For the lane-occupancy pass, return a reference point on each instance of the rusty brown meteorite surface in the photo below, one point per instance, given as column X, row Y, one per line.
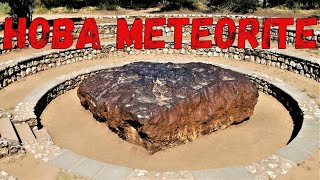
column 161, row 105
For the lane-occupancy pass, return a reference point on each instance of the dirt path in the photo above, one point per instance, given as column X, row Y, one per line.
column 308, row 170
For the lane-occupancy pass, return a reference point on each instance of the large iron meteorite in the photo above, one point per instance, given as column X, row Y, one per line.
column 161, row 105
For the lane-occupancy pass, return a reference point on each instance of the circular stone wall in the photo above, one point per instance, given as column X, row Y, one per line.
column 301, row 108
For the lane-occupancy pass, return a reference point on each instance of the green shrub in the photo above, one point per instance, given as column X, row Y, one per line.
column 244, row 6
column 179, row 4
column 107, row 5
column 137, row 4
column 237, row 6
column 291, row 4
column 4, row 8
column 274, row 3
column 20, row 8
column 69, row 3
column 101, row 4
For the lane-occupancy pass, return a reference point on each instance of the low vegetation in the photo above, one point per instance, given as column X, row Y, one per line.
column 25, row 8
column 20, row 8
column 4, row 8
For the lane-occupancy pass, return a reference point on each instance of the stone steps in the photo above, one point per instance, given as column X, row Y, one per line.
column 7, row 130
column 25, row 133
column 42, row 134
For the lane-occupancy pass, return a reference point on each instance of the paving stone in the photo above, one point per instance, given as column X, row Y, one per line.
column 66, row 160
column 310, row 130
column 87, row 168
column 139, row 174
column 113, row 172
column 270, row 168
column 310, row 124
column 24, row 132
column 6, row 129
column 291, row 153
column 43, row 149
column 42, row 134
column 309, row 145
column 232, row 173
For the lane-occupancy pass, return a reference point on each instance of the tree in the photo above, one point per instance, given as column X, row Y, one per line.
column 264, row 4
column 178, row 4
column 237, row 6
column 273, row 3
column 20, row 8
column 244, row 6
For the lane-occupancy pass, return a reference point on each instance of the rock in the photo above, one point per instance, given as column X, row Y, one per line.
column 161, row 105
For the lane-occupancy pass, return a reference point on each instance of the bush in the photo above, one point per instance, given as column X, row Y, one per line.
column 291, row 4
column 179, row 4
column 4, row 8
column 273, row 3
column 69, row 3
column 136, row 4
column 20, row 8
column 244, row 6
column 237, row 6
column 302, row 4
column 108, row 5
column 101, row 4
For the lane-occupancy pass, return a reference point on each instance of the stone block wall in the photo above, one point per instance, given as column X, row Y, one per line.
column 285, row 99
column 19, row 68
column 57, row 91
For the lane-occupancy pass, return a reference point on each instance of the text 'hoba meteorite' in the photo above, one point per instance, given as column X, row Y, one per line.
column 161, row 105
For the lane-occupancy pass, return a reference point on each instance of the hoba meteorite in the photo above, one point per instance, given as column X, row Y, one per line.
column 161, row 105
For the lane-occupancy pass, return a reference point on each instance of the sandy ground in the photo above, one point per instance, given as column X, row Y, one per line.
column 308, row 170
column 74, row 128
column 37, row 170
column 12, row 94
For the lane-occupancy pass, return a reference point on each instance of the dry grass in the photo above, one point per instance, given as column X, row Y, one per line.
column 282, row 11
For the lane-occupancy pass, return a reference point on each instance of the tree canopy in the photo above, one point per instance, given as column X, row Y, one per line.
column 24, row 8
column 20, row 8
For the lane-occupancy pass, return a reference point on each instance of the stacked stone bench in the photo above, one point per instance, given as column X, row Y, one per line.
column 9, row 141
column 16, row 69
column 304, row 140
column 13, row 136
